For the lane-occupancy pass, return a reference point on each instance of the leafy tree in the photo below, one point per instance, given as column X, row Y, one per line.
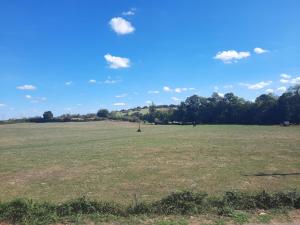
column 102, row 113
column 48, row 115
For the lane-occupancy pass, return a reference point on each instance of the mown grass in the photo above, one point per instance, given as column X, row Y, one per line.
column 112, row 162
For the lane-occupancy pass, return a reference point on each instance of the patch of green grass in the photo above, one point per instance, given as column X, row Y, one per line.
column 172, row 222
column 240, row 217
column 220, row 221
column 264, row 218
column 110, row 161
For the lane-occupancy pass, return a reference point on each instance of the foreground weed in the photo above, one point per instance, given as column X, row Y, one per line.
column 265, row 218
column 240, row 218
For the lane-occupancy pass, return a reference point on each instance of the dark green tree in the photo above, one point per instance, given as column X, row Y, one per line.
column 103, row 113
column 48, row 115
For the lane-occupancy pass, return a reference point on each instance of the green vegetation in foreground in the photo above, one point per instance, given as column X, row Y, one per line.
column 110, row 161
column 234, row 205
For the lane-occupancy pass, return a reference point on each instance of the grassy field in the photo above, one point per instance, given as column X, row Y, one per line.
column 111, row 161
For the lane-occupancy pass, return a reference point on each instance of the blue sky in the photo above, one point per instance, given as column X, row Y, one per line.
column 72, row 56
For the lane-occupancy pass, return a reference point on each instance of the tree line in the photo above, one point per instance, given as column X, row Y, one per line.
column 216, row 109
column 231, row 109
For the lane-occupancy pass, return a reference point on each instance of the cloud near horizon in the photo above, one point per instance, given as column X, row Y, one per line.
column 119, row 104
column 288, row 79
column 256, row 86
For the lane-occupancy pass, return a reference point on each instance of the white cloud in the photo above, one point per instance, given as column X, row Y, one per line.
column 269, row 91
column 256, row 86
column 68, row 83
column 175, row 99
column 287, row 79
column 179, row 90
column 231, row 56
column 259, row 50
column 221, row 94
column 192, row 89
column 28, row 96
column 130, row 12
column 121, row 95
column 148, row 102
column 295, row 80
column 285, row 76
column 28, row 87
column 116, row 62
column 92, row 81
column 121, row 26
column 119, row 104
column 284, row 81
column 216, row 88
column 2, row 105
column 281, row 89
column 153, row 92
column 167, row 89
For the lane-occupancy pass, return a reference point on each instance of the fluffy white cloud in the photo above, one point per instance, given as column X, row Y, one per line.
column 148, row 102
column 121, row 95
column 221, row 94
column 92, row 81
column 257, row 86
column 27, row 87
column 28, row 96
column 285, row 76
column 130, row 12
column 259, row 50
column 119, row 104
column 287, row 79
column 281, row 89
column 284, row 81
column 2, row 105
column 269, row 91
column 175, row 99
column 231, row 56
column 167, row 89
column 116, row 62
column 121, row 26
column 68, row 83
column 295, row 80
column 153, row 92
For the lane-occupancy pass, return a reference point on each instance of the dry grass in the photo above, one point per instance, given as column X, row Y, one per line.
column 111, row 161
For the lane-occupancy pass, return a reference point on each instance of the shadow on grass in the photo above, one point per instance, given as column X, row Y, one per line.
column 270, row 174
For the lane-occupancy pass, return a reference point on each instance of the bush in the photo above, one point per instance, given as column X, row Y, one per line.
column 181, row 203
column 239, row 200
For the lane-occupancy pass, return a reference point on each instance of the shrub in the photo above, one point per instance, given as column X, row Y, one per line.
column 239, row 200
column 181, row 203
